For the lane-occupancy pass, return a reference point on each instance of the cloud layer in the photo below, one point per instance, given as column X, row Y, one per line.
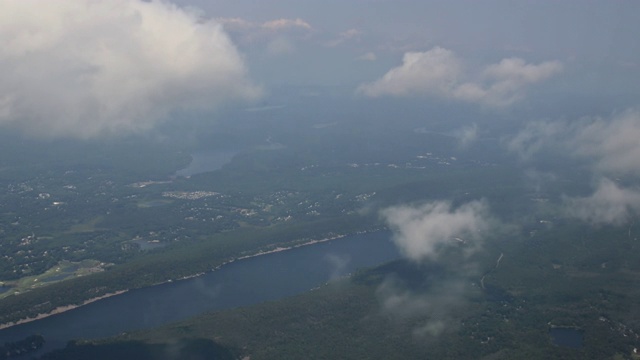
column 610, row 145
column 438, row 72
column 420, row 232
column 82, row 69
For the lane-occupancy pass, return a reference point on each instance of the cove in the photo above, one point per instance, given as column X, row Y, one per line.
column 240, row 283
column 205, row 161
column 567, row 337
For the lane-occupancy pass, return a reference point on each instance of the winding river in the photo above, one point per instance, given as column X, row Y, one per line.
column 240, row 283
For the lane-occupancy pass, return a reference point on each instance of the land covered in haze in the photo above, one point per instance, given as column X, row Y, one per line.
column 143, row 142
column 518, row 263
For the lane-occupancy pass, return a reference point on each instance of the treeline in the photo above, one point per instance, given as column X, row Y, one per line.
column 21, row 347
column 203, row 349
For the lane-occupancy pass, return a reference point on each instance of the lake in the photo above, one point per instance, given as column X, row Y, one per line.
column 206, row 161
column 567, row 337
column 243, row 282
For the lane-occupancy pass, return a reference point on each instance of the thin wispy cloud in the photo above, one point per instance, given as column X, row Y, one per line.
column 368, row 56
column 280, row 24
column 247, row 31
column 609, row 145
column 420, row 232
column 344, row 37
column 275, row 38
column 609, row 204
column 435, row 307
column 424, row 234
column 466, row 135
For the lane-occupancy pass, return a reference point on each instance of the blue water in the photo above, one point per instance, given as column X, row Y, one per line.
column 567, row 337
column 244, row 282
column 206, row 161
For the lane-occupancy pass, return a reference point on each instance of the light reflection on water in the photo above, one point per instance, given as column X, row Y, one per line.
column 206, row 161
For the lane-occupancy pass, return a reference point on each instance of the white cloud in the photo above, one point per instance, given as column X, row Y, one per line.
column 84, row 68
column 438, row 72
column 434, row 72
column 421, row 232
column 609, row 204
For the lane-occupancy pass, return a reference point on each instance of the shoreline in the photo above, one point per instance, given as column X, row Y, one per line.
column 59, row 310
column 62, row 309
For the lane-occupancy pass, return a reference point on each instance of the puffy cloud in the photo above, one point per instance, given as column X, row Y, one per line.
column 434, row 72
column 609, row 204
column 85, row 68
column 438, row 72
column 275, row 37
column 236, row 24
column 239, row 24
column 421, row 232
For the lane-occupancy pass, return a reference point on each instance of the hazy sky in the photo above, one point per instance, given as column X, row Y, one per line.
column 87, row 68
column 586, row 35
